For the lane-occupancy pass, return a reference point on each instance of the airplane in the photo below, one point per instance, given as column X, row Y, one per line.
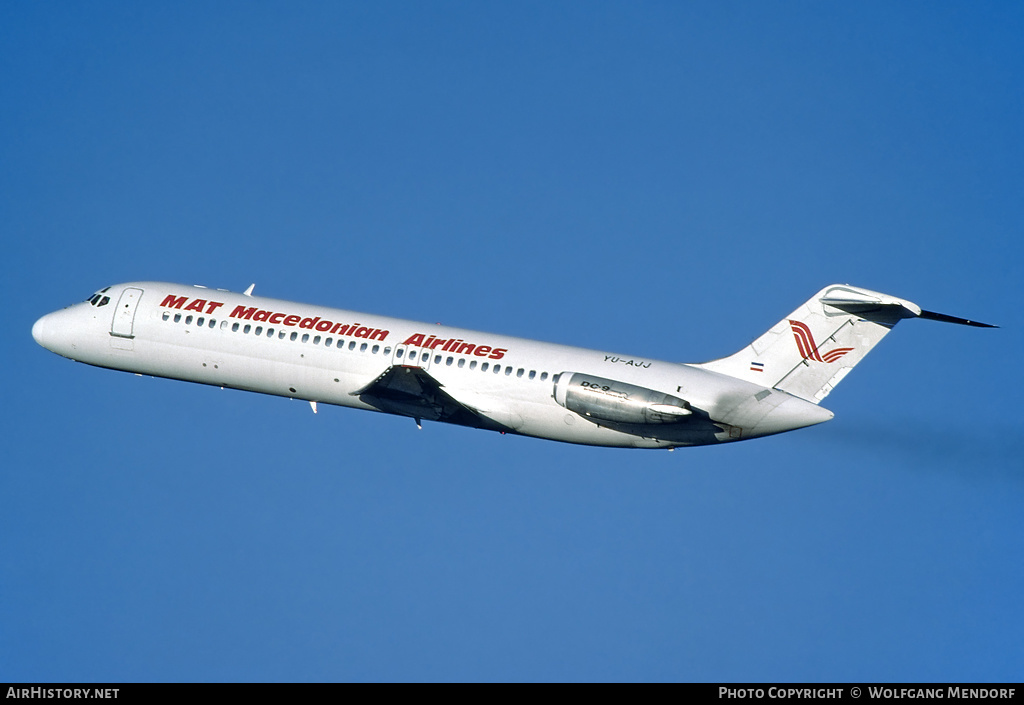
column 481, row 380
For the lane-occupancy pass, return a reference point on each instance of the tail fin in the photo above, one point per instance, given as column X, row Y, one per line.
column 810, row 351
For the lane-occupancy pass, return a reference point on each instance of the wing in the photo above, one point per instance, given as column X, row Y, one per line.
column 410, row 391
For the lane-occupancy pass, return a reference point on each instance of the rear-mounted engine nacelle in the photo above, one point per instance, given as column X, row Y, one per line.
column 608, row 400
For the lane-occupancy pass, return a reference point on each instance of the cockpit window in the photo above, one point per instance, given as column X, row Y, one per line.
column 98, row 299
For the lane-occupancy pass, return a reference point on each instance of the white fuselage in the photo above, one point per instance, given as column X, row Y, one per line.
column 330, row 356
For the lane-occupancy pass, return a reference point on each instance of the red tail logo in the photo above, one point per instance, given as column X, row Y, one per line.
column 809, row 349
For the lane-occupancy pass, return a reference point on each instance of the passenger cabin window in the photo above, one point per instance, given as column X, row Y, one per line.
column 200, row 321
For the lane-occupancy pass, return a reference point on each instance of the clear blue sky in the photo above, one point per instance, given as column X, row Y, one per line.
column 663, row 179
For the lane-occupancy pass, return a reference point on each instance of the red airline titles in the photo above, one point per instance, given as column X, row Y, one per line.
column 455, row 345
column 356, row 330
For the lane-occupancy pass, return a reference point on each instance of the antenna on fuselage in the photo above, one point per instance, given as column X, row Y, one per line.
column 248, row 292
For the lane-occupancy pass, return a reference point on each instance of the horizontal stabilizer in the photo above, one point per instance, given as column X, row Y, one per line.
column 932, row 316
column 864, row 304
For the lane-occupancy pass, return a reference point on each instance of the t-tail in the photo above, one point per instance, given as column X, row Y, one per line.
column 810, row 351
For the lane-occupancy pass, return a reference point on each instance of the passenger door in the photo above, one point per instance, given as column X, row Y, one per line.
column 124, row 315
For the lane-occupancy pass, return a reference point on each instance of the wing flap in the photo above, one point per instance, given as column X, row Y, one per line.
column 411, row 391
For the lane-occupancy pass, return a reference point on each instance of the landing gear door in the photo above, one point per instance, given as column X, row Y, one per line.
column 124, row 314
column 411, row 356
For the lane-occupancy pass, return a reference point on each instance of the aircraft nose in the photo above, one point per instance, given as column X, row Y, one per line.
column 48, row 331
column 39, row 330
